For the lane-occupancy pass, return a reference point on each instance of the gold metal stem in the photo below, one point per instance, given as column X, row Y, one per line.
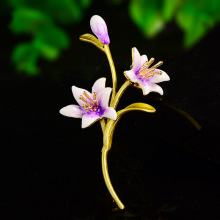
column 113, row 71
column 120, row 93
column 107, row 142
column 107, row 179
column 102, row 122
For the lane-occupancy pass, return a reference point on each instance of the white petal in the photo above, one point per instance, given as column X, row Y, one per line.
column 110, row 113
column 143, row 59
column 156, row 88
column 89, row 119
column 103, row 96
column 136, row 59
column 159, row 78
column 131, row 75
column 74, row 111
column 77, row 92
column 99, row 85
column 145, row 87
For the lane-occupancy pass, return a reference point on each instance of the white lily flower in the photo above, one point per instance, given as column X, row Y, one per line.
column 99, row 28
column 144, row 76
column 92, row 106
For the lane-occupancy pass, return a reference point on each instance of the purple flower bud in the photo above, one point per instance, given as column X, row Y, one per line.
column 99, row 28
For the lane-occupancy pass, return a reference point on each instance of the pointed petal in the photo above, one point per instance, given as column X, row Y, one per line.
column 159, row 78
column 99, row 85
column 136, row 59
column 89, row 119
column 110, row 113
column 77, row 92
column 143, row 59
column 74, row 111
column 131, row 75
column 145, row 87
column 156, row 88
column 103, row 96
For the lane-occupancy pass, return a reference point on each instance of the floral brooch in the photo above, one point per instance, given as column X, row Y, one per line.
column 95, row 106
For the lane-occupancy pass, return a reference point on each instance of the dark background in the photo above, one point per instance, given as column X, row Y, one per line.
column 161, row 166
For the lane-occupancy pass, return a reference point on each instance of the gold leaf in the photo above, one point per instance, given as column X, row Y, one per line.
column 93, row 40
column 140, row 107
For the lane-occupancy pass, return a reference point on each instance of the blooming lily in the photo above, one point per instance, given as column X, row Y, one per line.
column 92, row 106
column 99, row 28
column 144, row 77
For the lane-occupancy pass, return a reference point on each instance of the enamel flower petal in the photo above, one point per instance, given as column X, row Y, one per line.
column 104, row 96
column 72, row 111
column 99, row 28
column 143, row 76
column 89, row 119
column 92, row 106
column 99, row 85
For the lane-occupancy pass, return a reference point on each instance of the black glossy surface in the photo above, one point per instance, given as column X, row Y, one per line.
column 161, row 167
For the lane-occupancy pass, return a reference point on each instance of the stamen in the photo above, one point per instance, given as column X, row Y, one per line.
column 146, row 76
column 86, row 107
column 95, row 98
column 146, row 73
column 158, row 73
column 150, row 61
column 145, row 66
column 88, row 97
column 84, row 100
column 149, row 70
column 158, row 64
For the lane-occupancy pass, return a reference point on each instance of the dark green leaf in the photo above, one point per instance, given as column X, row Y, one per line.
column 169, row 8
column 25, row 58
column 53, row 36
column 47, row 51
column 28, row 21
column 147, row 16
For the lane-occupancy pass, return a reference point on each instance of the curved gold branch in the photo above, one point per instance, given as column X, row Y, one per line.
column 107, row 179
column 113, row 71
column 184, row 114
column 120, row 93
column 107, row 142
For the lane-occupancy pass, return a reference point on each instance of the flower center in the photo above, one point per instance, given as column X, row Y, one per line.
column 91, row 104
column 145, row 72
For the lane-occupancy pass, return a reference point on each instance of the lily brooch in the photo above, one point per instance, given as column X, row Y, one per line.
column 101, row 103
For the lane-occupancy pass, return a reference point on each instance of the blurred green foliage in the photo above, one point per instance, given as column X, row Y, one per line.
column 194, row 17
column 42, row 20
